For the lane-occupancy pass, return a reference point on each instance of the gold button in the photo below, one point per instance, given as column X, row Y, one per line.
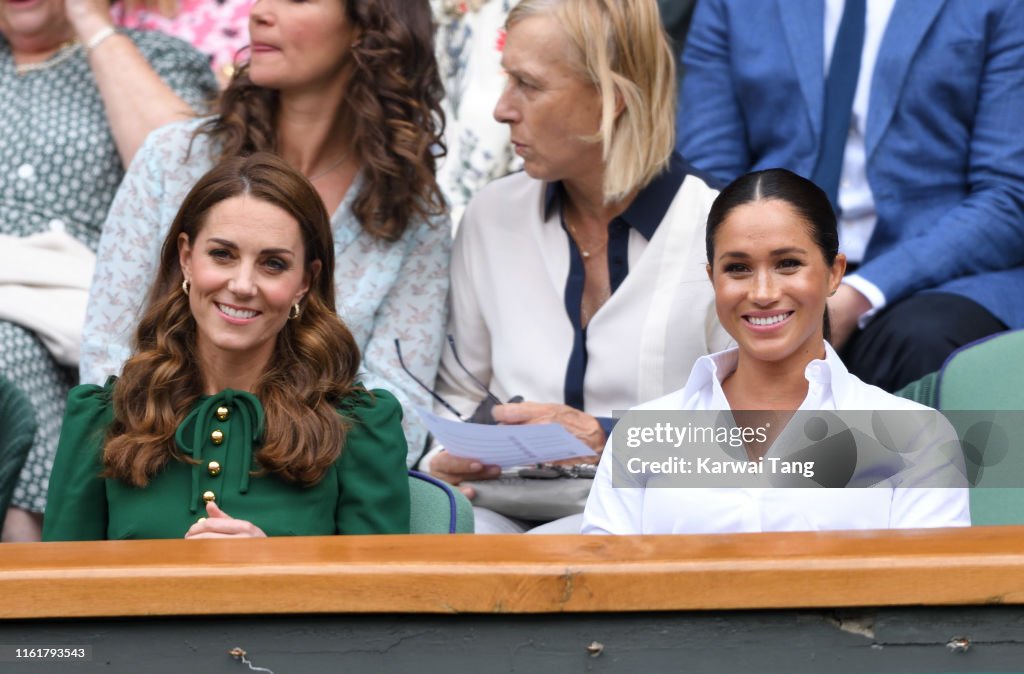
column 217, row 436
column 214, row 468
column 222, row 413
column 209, row 496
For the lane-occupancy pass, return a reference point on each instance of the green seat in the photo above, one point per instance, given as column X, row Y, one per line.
column 437, row 508
column 17, row 429
column 923, row 390
column 986, row 375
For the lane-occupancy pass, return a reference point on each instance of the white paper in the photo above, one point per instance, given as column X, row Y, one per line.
column 505, row 446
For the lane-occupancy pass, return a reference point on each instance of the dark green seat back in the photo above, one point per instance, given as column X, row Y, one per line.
column 17, row 429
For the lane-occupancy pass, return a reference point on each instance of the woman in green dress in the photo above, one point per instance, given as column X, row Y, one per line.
column 239, row 413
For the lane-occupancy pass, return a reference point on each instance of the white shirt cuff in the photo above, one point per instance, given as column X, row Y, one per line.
column 871, row 292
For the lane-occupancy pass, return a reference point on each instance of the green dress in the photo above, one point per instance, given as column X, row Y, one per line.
column 366, row 491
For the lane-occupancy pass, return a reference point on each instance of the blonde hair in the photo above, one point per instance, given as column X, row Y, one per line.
column 632, row 67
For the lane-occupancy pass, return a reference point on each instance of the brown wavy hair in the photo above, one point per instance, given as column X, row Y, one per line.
column 312, row 369
column 393, row 100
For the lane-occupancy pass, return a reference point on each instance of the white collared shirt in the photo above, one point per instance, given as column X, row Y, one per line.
column 620, row 510
column 509, row 268
column 710, row 371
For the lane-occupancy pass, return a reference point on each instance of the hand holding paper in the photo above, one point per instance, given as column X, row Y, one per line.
column 580, row 424
column 505, row 445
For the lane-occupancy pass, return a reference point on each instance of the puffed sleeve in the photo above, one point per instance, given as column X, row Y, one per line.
column 76, row 508
column 372, row 476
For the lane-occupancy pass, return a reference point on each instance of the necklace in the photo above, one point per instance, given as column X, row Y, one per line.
column 575, row 237
column 63, row 53
column 330, row 168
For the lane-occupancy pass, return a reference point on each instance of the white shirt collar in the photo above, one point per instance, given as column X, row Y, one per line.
column 827, row 381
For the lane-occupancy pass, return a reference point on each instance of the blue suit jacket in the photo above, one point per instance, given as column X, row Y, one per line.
column 944, row 141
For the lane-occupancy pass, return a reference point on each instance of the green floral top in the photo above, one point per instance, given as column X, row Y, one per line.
column 365, row 493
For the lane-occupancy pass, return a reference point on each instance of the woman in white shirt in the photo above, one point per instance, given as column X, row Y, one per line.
column 772, row 250
column 578, row 284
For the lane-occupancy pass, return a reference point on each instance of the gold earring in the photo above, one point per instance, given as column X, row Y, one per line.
column 185, row 286
column 295, row 312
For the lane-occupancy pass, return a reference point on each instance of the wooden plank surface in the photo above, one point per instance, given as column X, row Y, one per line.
column 513, row 574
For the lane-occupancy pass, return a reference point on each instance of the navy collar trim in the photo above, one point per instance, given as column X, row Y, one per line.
column 649, row 206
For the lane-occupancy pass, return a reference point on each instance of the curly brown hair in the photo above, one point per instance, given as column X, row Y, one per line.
column 315, row 357
column 394, row 102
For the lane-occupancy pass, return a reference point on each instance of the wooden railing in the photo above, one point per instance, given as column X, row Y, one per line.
column 513, row 574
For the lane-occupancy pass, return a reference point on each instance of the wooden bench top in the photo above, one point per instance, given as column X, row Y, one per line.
column 513, row 574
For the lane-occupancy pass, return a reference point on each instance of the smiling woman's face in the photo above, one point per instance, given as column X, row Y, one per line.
column 246, row 268
column 772, row 282
column 34, row 26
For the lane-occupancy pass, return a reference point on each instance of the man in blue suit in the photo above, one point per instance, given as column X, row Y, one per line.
column 928, row 170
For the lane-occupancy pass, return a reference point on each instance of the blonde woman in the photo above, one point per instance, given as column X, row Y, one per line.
column 579, row 283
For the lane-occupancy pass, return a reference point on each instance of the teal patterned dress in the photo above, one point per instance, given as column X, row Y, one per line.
column 59, row 169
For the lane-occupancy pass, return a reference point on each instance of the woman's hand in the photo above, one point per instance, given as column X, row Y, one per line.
column 454, row 470
column 218, row 524
column 582, row 425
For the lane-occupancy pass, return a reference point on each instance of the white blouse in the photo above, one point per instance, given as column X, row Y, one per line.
column 508, row 315
column 637, row 510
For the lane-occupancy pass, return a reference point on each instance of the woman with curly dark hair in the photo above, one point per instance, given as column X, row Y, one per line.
column 241, row 395
column 348, row 93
